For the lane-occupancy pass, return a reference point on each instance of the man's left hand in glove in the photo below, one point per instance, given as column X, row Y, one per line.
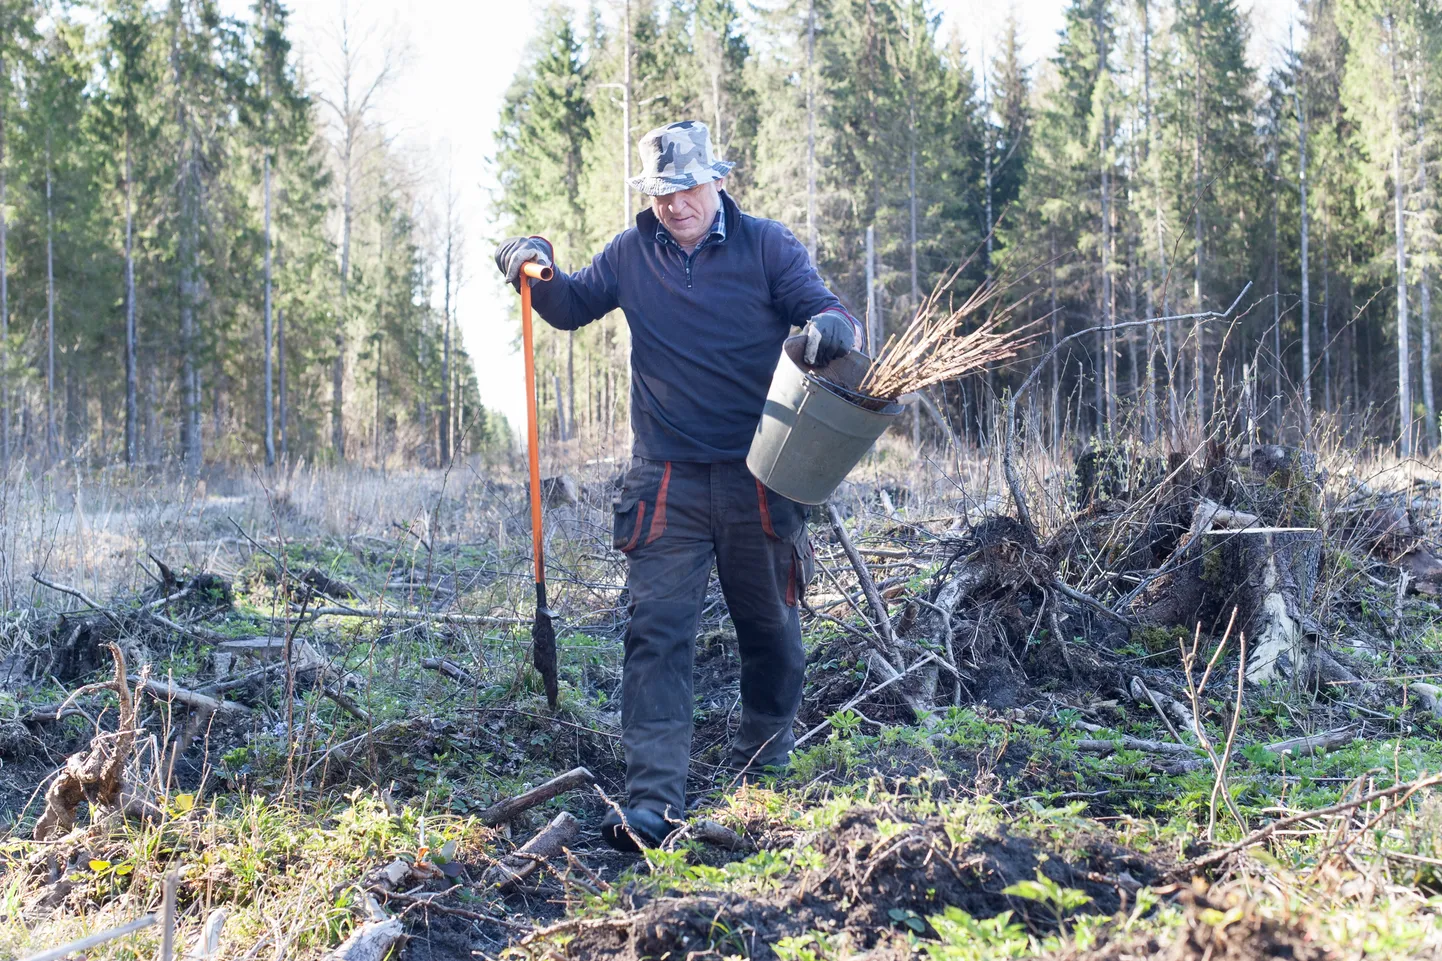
column 828, row 336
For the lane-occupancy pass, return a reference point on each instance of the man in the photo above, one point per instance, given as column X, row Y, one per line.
column 709, row 293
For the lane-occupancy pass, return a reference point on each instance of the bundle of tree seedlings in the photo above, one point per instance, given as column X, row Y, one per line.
column 936, row 347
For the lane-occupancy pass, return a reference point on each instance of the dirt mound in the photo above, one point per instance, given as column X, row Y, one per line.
column 878, row 880
column 888, row 872
column 1213, row 933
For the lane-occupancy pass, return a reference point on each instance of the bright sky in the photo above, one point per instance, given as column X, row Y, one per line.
column 446, row 101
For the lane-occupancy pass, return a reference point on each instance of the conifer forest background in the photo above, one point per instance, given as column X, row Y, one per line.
column 212, row 255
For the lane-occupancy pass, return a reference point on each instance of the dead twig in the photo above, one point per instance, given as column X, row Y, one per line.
column 1192, row 867
column 549, row 842
column 508, row 809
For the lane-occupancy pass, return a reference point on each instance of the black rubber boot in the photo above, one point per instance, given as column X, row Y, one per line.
column 644, row 825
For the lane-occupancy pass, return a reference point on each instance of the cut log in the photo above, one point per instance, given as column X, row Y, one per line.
column 559, row 834
column 503, row 811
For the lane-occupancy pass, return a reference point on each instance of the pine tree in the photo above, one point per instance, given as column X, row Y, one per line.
column 1214, row 162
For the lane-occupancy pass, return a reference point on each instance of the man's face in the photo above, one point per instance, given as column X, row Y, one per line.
column 688, row 214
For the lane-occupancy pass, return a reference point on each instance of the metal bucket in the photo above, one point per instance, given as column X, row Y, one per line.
column 810, row 436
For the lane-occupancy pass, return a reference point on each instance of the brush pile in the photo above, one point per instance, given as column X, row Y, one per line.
column 934, row 349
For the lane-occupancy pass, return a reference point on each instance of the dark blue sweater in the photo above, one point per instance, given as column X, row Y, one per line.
column 706, row 330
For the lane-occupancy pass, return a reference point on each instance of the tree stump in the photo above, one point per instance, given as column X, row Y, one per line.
column 1273, row 575
column 1258, row 553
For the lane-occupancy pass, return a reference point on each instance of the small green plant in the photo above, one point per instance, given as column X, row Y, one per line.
column 907, row 918
column 844, row 723
column 961, row 937
column 1059, row 900
column 811, row 946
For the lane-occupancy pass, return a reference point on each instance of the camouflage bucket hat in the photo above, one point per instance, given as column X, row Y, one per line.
column 678, row 157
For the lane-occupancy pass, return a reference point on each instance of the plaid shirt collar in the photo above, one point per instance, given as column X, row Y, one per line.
column 718, row 230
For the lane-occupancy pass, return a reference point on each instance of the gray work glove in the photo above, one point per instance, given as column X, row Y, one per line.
column 828, row 336
column 516, row 251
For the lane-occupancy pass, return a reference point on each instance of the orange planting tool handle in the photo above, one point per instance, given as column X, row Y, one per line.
column 533, row 440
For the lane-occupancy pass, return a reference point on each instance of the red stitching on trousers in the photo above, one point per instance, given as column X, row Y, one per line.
column 636, row 534
column 765, row 510
column 658, row 519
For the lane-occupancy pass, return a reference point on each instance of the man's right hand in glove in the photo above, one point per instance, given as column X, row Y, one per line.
column 516, row 251
column 829, row 335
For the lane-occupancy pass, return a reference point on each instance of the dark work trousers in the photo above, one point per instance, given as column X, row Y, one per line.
column 674, row 520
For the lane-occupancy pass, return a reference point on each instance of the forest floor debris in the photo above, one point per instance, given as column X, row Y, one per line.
column 996, row 766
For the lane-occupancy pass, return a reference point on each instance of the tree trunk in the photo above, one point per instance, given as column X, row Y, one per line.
column 337, row 375
column 1109, row 341
column 443, row 429
column 189, row 255
column 626, row 118
column 269, row 346
column 1327, row 404
column 132, row 413
column 50, row 435
column 1056, row 362
column 1275, row 406
column 1428, row 399
column 1306, row 218
column 1429, row 404
column 190, row 370
column 1404, row 392
column 4, row 297
column 873, row 322
column 1198, row 330
column 1131, row 340
column 1168, row 348
column 280, row 359
column 376, row 414
column 986, row 145
column 811, row 130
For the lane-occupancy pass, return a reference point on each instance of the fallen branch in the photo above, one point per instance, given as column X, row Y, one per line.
column 718, row 834
column 861, row 697
column 1314, row 743
column 450, row 669
column 548, row 843
column 506, row 810
column 371, row 941
column 1188, row 870
column 170, row 691
column 94, row 940
column 868, row 586
column 403, row 615
column 79, row 595
column 430, row 902
column 1111, row 745
column 1162, row 704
